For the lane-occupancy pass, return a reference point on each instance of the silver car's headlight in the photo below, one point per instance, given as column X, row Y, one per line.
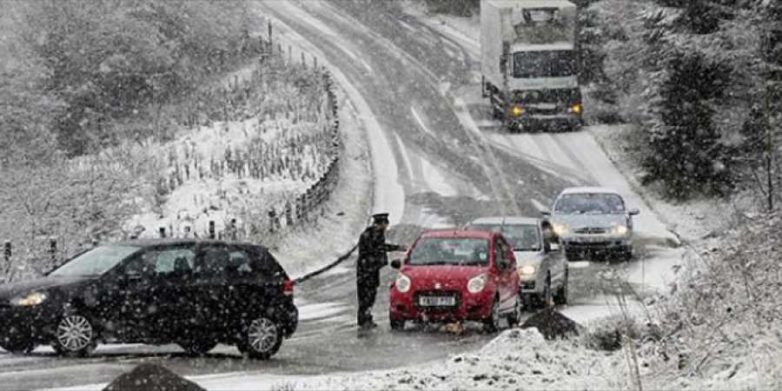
column 620, row 229
column 527, row 270
column 29, row 300
column 561, row 229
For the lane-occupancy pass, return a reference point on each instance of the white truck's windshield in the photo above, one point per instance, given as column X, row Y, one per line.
column 534, row 64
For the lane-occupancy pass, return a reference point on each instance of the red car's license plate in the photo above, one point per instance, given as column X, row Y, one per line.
column 436, row 301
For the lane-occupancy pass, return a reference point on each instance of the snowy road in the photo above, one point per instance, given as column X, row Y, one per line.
column 438, row 161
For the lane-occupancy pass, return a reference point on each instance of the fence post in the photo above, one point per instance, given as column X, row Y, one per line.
column 53, row 250
column 211, row 229
column 271, row 41
column 288, row 214
column 7, row 252
column 231, row 231
column 272, row 219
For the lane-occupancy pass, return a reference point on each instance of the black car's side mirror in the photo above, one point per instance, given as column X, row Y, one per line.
column 634, row 212
column 396, row 264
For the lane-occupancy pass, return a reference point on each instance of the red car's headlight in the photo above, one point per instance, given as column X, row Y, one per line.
column 403, row 283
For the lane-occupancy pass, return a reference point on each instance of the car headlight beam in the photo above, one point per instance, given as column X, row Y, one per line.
column 620, row 229
column 29, row 300
column 527, row 270
column 403, row 283
column 561, row 229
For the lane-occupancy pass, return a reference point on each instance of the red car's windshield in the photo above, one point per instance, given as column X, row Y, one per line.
column 450, row 251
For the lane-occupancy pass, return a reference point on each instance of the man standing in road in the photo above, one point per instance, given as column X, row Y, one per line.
column 372, row 257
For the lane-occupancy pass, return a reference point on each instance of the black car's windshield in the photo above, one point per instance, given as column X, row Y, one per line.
column 450, row 251
column 95, row 262
column 523, row 237
column 590, row 203
column 558, row 63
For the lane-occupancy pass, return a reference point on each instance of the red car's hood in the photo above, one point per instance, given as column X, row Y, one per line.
column 441, row 276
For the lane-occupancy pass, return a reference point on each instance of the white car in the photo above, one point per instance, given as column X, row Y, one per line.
column 593, row 221
column 543, row 273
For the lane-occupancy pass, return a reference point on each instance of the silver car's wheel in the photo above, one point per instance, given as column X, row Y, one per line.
column 263, row 338
column 515, row 318
column 493, row 323
column 75, row 335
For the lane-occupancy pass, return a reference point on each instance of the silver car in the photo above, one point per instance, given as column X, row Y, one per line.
column 592, row 221
column 543, row 273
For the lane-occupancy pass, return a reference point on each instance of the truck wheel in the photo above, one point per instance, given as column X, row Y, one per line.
column 496, row 113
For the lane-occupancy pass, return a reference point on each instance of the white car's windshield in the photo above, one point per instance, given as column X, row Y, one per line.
column 590, row 203
column 523, row 237
column 448, row 251
column 95, row 262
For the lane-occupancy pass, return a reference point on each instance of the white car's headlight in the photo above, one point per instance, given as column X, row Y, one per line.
column 476, row 284
column 403, row 283
column 561, row 229
column 527, row 270
column 29, row 300
column 620, row 229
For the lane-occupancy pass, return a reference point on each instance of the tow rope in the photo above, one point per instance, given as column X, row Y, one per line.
column 325, row 268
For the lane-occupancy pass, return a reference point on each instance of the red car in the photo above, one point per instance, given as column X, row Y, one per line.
column 455, row 276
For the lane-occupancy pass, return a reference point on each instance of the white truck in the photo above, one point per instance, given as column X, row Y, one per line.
column 529, row 63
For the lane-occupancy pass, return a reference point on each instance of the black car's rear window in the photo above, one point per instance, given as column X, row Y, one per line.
column 265, row 264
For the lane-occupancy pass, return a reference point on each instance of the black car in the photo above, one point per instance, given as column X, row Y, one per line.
column 190, row 292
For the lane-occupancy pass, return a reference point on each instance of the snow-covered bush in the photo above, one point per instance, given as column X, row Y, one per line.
column 720, row 328
column 692, row 75
column 278, row 142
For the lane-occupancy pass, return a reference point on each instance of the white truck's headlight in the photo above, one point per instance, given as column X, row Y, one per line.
column 527, row 270
column 620, row 229
column 561, row 229
column 403, row 283
column 29, row 300
column 476, row 284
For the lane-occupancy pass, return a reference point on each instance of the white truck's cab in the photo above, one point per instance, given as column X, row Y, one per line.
column 529, row 62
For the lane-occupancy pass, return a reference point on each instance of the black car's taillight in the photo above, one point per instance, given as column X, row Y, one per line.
column 287, row 287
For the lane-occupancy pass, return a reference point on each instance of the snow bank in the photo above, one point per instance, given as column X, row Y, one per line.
column 516, row 359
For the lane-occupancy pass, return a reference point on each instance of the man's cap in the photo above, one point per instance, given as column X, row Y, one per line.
column 380, row 218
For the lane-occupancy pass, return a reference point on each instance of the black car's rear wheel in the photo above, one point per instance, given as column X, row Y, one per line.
column 197, row 347
column 74, row 335
column 17, row 346
column 261, row 339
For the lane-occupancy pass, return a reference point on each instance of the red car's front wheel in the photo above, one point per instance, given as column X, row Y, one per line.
column 397, row 324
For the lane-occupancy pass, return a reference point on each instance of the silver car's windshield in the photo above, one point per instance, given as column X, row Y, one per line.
column 95, row 262
column 523, row 237
column 590, row 203
column 450, row 251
